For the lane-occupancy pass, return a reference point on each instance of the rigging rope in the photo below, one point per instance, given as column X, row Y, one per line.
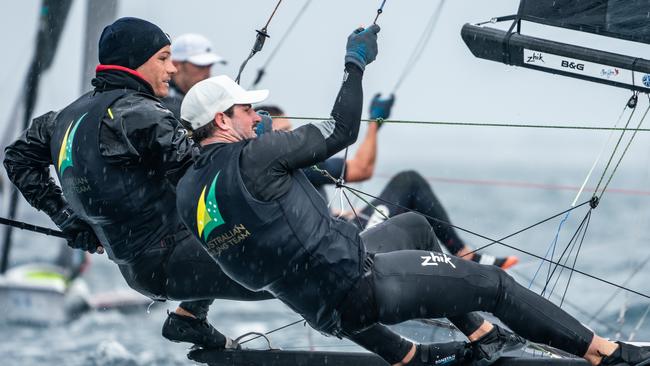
column 261, row 37
column 575, row 307
column 618, row 143
column 481, row 124
column 600, row 154
column 262, row 71
column 553, row 269
column 553, row 244
column 639, row 324
column 597, row 198
column 634, row 272
column 624, row 152
column 420, row 45
column 272, row 331
column 500, row 241
column 379, row 11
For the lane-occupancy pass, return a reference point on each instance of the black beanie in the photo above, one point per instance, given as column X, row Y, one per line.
column 130, row 42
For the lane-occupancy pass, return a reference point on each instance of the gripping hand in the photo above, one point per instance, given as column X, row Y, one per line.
column 80, row 234
column 361, row 48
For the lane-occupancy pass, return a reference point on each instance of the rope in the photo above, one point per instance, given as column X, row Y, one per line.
column 600, row 154
column 261, row 37
column 352, row 207
column 379, row 11
column 553, row 244
column 420, row 45
column 624, row 152
column 262, row 70
column 500, row 241
column 634, row 272
column 575, row 259
column 551, row 247
column 639, row 324
column 272, row 331
column 483, row 124
column 618, row 142
column 272, row 15
column 575, row 307
column 551, row 269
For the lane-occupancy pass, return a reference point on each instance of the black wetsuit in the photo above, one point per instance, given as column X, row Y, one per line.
column 407, row 190
column 252, row 207
column 116, row 150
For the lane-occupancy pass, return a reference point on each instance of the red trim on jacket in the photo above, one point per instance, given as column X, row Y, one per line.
column 101, row 67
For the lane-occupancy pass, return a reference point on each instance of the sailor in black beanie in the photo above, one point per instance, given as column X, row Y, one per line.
column 116, row 149
column 139, row 48
column 130, row 42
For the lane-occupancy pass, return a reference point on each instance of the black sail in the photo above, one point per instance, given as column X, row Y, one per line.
column 624, row 19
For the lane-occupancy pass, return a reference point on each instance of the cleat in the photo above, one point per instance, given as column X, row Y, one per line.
column 494, row 344
column 199, row 332
column 440, row 354
column 627, row 355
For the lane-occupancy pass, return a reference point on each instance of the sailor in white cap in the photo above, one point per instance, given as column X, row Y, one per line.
column 193, row 56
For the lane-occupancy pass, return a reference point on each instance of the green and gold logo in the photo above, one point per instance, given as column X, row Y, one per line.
column 65, row 154
column 208, row 216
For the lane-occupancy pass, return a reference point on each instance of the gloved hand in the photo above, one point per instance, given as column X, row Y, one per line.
column 380, row 108
column 80, row 234
column 265, row 125
column 361, row 48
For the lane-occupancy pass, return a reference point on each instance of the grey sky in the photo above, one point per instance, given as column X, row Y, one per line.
column 447, row 84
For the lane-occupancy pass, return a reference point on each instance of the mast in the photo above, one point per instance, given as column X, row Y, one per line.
column 99, row 13
column 53, row 16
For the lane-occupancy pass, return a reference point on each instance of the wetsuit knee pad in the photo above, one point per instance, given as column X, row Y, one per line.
column 407, row 231
column 406, row 178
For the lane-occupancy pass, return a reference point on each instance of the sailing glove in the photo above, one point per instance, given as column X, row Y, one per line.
column 265, row 125
column 80, row 234
column 380, row 108
column 361, row 48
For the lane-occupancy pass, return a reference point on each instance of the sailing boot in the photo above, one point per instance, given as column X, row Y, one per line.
column 501, row 262
column 450, row 353
column 627, row 355
column 489, row 348
column 198, row 331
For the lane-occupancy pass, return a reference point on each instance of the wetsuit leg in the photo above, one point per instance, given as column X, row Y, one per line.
column 410, row 190
column 421, row 284
column 193, row 275
column 382, row 341
column 180, row 269
column 404, row 231
column 412, row 231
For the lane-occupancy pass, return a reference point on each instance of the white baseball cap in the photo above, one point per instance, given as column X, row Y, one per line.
column 195, row 49
column 216, row 94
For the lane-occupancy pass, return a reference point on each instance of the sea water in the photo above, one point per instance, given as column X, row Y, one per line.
column 615, row 244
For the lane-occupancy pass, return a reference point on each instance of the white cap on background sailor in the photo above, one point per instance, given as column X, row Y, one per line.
column 196, row 49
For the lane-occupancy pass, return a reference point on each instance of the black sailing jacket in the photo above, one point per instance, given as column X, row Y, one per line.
column 115, row 151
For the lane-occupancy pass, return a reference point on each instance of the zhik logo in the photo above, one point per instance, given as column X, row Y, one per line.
column 573, row 65
column 536, row 56
column 434, row 258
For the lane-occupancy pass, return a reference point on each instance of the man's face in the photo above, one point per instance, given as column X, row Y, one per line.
column 158, row 71
column 190, row 74
column 243, row 121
